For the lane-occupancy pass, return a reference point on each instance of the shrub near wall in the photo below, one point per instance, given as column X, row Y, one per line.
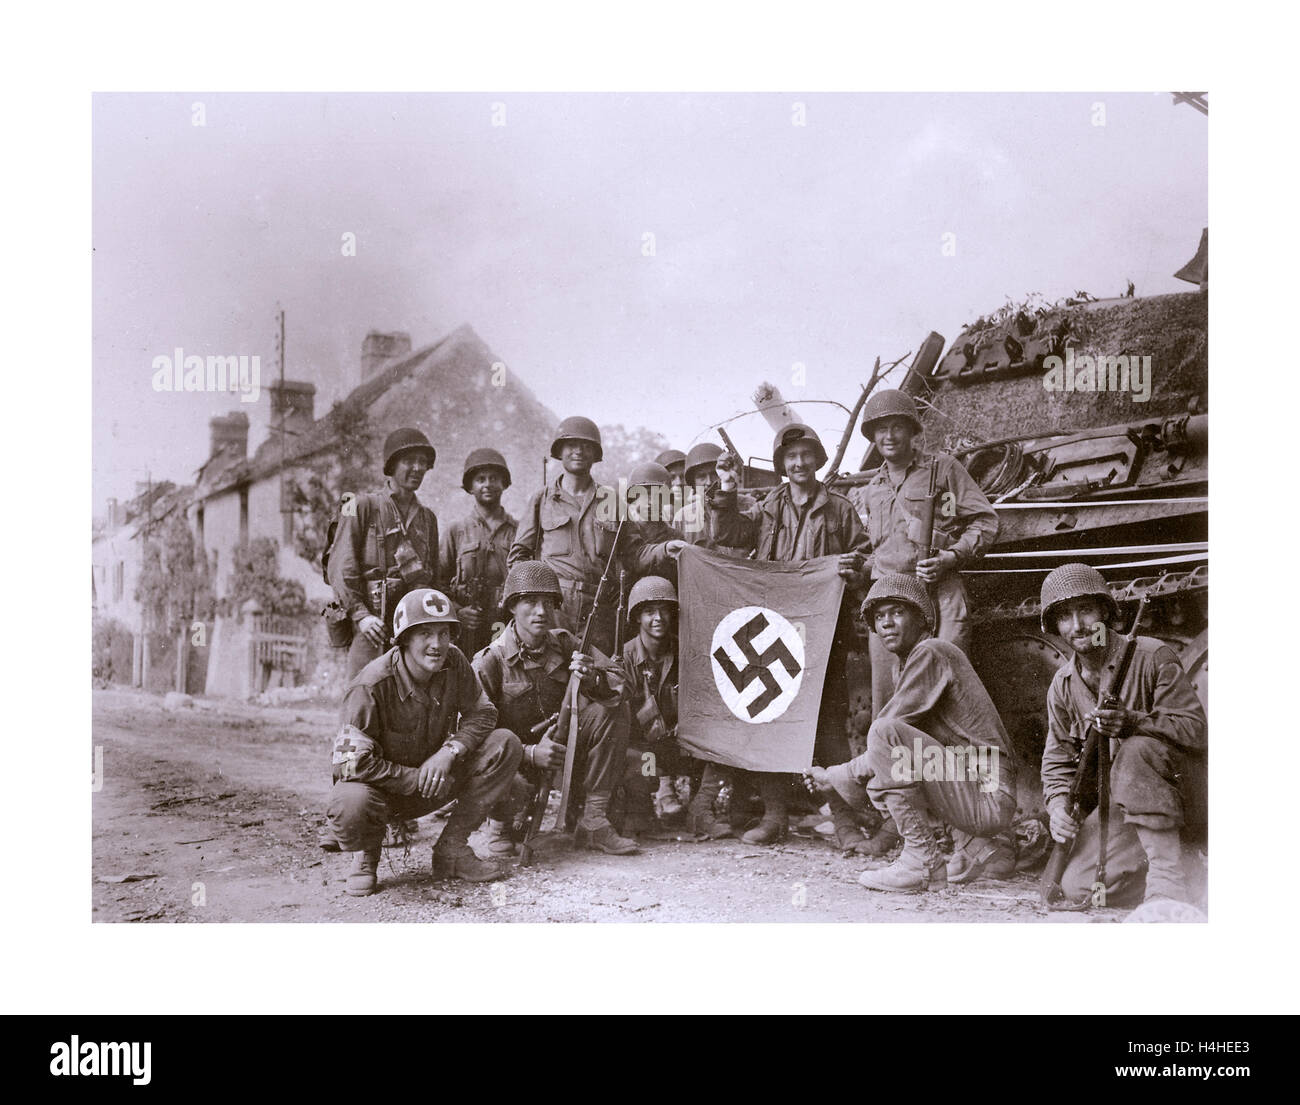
column 111, row 648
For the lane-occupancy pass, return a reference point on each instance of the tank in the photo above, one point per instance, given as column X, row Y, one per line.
column 1114, row 476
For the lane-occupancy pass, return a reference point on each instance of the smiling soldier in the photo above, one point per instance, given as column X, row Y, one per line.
column 937, row 748
column 800, row 520
column 525, row 672
column 417, row 732
column 1158, row 737
column 473, row 551
column 570, row 528
column 896, row 499
column 386, row 545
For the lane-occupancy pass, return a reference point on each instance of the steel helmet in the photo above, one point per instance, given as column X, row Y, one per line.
column 1072, row 581
column 890, row 403
column 530, row 577
column 669, row 457
column 649, row 589
column 650, row 474
column 402, row 441
column 423, row 606
column 789, row 435
column 577, row 428
column 700, row 455
column 484, row 458
column 898, row 587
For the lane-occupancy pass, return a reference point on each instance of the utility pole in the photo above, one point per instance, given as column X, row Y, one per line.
column 286, row 508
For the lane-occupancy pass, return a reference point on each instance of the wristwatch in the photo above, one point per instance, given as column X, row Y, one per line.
column 455, row 748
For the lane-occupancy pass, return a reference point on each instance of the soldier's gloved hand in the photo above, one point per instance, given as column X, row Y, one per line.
column 372, row 629
column 1063, row 827
column 547, row 754
column 471, row 618
column 933, row 568
column 435, row 774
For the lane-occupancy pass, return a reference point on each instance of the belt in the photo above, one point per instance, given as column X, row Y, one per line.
column 577, row 585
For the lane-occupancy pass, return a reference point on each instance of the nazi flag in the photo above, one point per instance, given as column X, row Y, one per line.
column 754, row 641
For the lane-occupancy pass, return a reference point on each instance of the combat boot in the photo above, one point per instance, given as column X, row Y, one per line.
column 603, row 838
column 1164, row 852
column 848, row 834
column 993, row 857
column 453, row 858
column 921, row 865
column 363, row 877
column 775, row 826
column 596, row 833
column 883, row 839
column 666, row 803
column 699, row 816
column 497, row 840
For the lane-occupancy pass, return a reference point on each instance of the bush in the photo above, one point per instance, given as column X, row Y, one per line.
column 110, row 651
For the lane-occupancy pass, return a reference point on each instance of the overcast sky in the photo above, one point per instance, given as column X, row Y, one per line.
column 774, row 244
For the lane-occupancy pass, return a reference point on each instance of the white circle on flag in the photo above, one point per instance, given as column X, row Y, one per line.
column 758, row 663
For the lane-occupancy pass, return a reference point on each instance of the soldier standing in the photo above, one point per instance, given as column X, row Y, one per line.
column 801, row 520
column 570, row 527
column 692, row 520
column 417, row 732
column 525, row 672
column 964, row 522
column 650, row 542
column 473, row 551
column 1158, row 734
column 386, row 545
column 675, row 461
column 700, row 471
column 938, row 746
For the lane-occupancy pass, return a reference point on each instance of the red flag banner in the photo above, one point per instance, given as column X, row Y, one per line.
column 754, row 641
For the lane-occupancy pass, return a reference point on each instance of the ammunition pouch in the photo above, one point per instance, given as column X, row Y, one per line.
column 338, row 625
column 409, row 565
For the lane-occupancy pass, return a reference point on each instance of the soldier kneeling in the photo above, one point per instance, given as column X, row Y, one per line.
column 525, row 672
column 1158, row 737
column 417, row 732
column 937, row 747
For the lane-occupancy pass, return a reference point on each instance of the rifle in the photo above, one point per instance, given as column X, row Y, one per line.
column 927, row 513
column 566, row 721
column 1096, row 751
column 622, row 614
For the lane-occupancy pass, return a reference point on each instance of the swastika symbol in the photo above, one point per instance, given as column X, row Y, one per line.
column 752, row 647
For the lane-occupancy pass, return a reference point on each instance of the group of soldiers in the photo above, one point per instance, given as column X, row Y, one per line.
column 466, row 640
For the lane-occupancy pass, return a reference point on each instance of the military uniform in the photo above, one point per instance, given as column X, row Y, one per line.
column 937, row 747
column 472, row 559
column 391, row 725
column 370, row 553
column 1157, row 773
column 652, row 694
column 528, row 686
column 964, row 523
column 573, row 535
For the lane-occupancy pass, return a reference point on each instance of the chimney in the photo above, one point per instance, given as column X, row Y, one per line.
column 229, row 432
column 115, row 512
column 377, row 349
column 294, row 400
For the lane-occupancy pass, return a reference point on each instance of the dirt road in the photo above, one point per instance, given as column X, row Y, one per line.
column 209, row 813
